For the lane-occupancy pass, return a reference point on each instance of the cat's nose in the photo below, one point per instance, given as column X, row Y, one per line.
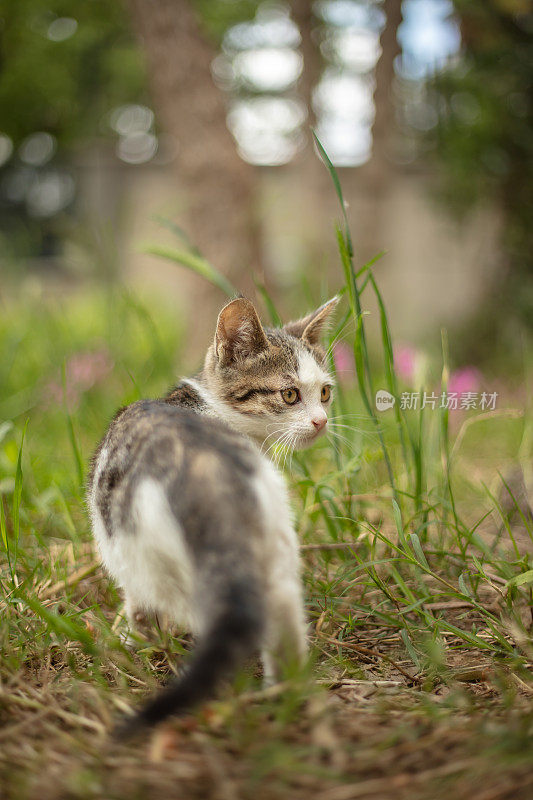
column 319, row 422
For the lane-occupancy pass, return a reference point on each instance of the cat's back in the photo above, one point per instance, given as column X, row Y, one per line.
column 197, row 462
column 156, row 438
column 152, row 432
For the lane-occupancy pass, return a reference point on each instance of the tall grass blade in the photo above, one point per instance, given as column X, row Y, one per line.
column 17, row 495
column 195, row 263
column 5, row 538
column 275, row 318
column 390, row 372
column 62, row 625
column 362, row 361
column 78, row 458
column 178, row 232
column 336, row 182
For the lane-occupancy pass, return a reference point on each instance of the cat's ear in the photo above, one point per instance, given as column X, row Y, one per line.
column 314, row 324
column 239, row 332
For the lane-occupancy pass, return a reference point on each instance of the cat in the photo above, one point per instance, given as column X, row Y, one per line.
column 192, row 520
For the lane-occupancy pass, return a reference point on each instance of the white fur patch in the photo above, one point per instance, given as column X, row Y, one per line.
column 281, row 563
column 99, row 531
column 310, row 373
column 149, row 559
column 247, row 425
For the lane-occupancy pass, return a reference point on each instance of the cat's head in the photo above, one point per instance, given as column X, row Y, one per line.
column 274, row 383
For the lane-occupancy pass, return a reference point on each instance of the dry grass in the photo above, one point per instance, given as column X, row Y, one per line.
column 367, row 724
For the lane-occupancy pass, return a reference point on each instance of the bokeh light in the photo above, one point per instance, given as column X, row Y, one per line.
column 137, row 148
column 37, row 149
column 267, row 128
column 131, row 118
column 49, row 193
column 429, row 36
column 137, row 143
column 62, row 28
column 268, row 69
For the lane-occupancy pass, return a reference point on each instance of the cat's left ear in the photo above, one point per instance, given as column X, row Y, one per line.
column 239, row 332
column 314, row 324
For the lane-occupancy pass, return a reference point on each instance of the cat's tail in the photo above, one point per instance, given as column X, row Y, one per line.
column 234, row 634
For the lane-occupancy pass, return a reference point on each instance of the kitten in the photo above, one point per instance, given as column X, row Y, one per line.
column 193, row 522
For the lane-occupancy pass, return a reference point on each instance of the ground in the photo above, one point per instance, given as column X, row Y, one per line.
column 364, row 723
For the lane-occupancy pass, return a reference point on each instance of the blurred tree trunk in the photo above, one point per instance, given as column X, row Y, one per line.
column 380, row 171
column 384, row 123
column 302, row 13
column 308, row 173
column 218, row 186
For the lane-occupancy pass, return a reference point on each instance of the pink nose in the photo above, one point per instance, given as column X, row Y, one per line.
column 319, row 423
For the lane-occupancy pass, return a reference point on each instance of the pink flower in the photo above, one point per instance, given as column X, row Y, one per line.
column 405, row 357
column 466, row 379
column 343, row 358
column 82, row 371
column 86, row 369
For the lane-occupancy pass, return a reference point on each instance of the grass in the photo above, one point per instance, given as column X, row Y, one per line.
column 417, row 568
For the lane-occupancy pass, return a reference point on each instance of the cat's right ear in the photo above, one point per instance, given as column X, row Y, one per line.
column 239, row 332
column 313, row 326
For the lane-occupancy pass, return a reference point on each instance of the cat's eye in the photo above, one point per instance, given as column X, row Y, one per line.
column 291, row 396
column 325, row 394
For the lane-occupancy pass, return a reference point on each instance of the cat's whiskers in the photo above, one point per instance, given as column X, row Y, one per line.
column 277, row 441
column 279, row 429
column 290, row 460
column 349, row 416
column 279, row 448
column 285, row 438
column 340, row 437
column 337, row 448
column 289, row 447
column 281, row 453
column 336, row 435
column 353, row 429
column 296, row 432
column 334, row 444
column 280, row 444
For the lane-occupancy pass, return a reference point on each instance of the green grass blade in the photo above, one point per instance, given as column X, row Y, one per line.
column 390, row 372
column 417, row 547
column 275, row 318
column 78, row 458
column 194, row 263
column 524, row 579
column 17, row 495
column 336, row 182
column 62, row 625
column 5, row 538
column 178, row 232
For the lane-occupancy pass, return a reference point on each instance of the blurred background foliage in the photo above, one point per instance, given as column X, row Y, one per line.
column 65, row 65
column 200, row 112
column 483, row 143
